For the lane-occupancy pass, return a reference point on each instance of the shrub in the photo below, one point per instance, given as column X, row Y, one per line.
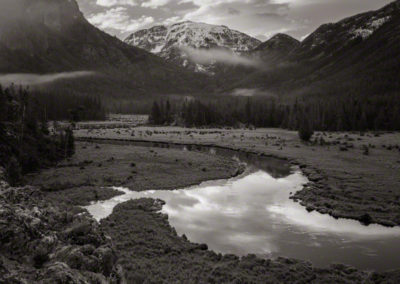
column 305, row 130
column 366, row 219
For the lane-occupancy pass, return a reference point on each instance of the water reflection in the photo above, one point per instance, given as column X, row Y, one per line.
column 253, row 214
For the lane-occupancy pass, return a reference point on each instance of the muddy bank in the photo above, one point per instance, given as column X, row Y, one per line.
column 151, row 251
column 346, row 180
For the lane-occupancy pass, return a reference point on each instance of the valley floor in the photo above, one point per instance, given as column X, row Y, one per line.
column 353, row 175
column 148, row 248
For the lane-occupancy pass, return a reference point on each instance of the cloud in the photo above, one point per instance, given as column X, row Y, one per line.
column 118, row 19
column 209, row 56
column 258, row 18
column 154, row 4
column 38, row 79
column 110, row 3
column 253, row 17
column 252, row 92
column 233, row 11
column 172, row 20
column 244, row 92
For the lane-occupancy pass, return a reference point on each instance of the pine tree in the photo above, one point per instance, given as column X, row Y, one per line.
column 379, row 123
column 155, row 116
column 363, row 122
column 70, row 142
column 168, row 112
column 248, row 111
column 396, row 119
column 305, row 129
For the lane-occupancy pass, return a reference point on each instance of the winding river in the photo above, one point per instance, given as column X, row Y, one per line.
column 252, row 213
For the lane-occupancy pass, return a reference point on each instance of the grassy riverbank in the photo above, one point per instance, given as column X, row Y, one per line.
column 354, row 175
column 150, row 251
column 94, row 168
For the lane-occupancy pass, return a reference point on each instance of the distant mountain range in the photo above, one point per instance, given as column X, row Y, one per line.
column 360, row 54
column 167, row 41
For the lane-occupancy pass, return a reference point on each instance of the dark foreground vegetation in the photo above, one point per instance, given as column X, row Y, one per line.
column 43, row 242
column 25, row 141
column 336, row 113
column 151, row 252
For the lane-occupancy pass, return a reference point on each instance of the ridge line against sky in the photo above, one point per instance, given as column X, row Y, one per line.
column 258, row 18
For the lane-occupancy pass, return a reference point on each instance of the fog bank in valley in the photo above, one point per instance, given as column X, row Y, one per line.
column 209, row 56
column 26, row 79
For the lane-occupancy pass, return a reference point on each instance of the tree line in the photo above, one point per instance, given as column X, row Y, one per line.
column 350, row 113
column 64, row 105
column 26, row 143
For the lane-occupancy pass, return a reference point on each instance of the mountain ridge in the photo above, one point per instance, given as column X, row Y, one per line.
column 167, row 41
column 53, row 36
column 359, row 54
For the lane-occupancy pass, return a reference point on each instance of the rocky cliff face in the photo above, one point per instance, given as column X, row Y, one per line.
column 41, row 243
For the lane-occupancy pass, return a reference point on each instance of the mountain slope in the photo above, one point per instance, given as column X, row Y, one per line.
column 276, row 48
column 358, row 55
column 47, row 36
column 281, row 42
column 167, row 41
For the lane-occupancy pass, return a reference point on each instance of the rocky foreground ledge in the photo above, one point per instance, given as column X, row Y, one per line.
column 42, row 243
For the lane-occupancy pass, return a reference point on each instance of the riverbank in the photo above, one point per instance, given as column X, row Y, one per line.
column 95, row 168
column 150, row 251
column 347, row 180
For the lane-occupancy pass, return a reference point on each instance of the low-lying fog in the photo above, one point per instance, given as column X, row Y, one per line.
column 28, row 79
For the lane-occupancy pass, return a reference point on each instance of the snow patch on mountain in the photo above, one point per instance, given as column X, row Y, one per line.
column 171, row 42
column 369, row 28
column 191, row 34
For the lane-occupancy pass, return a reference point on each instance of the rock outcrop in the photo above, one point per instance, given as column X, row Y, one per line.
column 41, row 243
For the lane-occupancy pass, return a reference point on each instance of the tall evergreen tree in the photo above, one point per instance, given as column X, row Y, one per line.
column 155, row 116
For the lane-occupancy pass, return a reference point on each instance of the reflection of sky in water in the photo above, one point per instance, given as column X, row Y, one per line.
column 253, row 214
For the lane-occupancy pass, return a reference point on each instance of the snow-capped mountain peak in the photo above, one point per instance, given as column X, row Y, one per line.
column 167, row 40
column 191, row 34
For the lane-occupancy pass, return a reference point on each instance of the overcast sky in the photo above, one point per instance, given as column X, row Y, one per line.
column 258, row 18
